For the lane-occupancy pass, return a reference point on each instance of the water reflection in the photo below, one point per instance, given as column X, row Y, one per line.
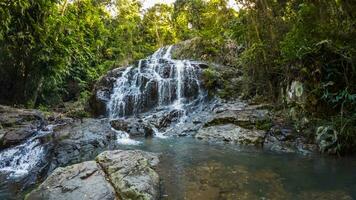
column 197, row 170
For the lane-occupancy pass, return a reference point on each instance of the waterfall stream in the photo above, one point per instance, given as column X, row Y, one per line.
column 154, row 84
column 19, row 160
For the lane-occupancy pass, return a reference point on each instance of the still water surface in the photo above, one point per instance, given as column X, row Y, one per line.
column 197, row 170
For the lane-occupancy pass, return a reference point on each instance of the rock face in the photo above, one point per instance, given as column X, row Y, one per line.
column 240, row 123
column 115, row 175
column 80, row 181
column 16, row 125
column 131, row 173
column 235, row 123
column 232, row 133
column 81, row 140
column 102, row 91
column 248, row 117
column 133, row 126
column 155, row 82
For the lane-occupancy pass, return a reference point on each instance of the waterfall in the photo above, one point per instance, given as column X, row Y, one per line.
column 156, row 83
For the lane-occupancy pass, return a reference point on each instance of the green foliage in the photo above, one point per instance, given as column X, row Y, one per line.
column 211, row 80
column 346, row 135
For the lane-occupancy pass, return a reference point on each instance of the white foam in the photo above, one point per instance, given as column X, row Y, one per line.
column 158, row 134
column 21, row 159
column 124, row 138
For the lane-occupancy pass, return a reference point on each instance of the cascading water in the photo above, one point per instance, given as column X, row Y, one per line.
column 154, row 84
column 18, row 161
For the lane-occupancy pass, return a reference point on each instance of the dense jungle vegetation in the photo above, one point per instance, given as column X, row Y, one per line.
column 53, row 51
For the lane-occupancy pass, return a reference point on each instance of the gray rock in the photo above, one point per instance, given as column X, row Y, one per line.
column 81, row 140
column 18, row 124
column 326, row 138
column 131, row 173
column 102, row 91
column 248, row 117
column 169, row 118
column 285, row 139
column 115, row 175
column 77, row 182
column 232, row 133
column 133, row 126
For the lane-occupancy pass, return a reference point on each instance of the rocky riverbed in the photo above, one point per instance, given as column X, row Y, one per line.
column 158, row 105
column 66, row 148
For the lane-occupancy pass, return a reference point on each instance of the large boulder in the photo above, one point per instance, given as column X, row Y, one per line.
column 81, row 140
column 16, row 125
column 133, row 126
column 115, row 175
column 232, row 133
column 248, row 117
column 131, row 173
column 80, row 181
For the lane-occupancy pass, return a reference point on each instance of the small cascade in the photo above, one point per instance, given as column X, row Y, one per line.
column 154, row 84
column 124, row 138
column 158, row 133
column 18, row 161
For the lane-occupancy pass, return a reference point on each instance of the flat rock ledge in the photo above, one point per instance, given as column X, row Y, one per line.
column 232, row 133
column 240, row 123
column 113, row 175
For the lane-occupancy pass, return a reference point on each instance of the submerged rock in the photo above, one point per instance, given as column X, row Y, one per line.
column 115, row 175
column 232, row 133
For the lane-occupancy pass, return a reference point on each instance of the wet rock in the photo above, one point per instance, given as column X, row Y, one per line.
column 296, row 93
column 16, row 125
column 326, row 138
column 169, row 118
column 102, row 91
column 247, row 117
column 283, row 133
column 133, row 126
column 131, row 173
column 81, row 140
column 285, row 139
column 232, row 133
column 77, row 182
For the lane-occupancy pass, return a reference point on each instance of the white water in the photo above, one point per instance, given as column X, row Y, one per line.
column 123, row 138
column 158, row 133
column 18, row 161
column 157, row 82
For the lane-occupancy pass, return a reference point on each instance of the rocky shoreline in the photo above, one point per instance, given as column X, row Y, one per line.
column 73, row 143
